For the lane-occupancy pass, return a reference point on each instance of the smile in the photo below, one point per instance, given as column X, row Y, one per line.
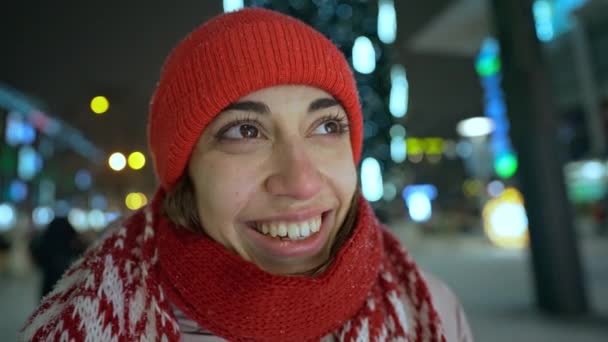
column 290, row 230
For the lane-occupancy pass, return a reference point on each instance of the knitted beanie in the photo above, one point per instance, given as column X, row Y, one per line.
column 229, row 57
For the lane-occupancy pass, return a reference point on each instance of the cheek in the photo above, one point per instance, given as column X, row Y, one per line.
column 222, row 190
column 341, row 173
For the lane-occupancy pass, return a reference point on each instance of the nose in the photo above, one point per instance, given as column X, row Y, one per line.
column 295, row 174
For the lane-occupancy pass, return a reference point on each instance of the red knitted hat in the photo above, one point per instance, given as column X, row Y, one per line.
column 229, row 57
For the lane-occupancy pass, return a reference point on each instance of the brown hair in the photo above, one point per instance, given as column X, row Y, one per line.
column 179, row 205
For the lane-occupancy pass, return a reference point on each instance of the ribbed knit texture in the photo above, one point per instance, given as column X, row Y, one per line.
column 123, row 289
column 230, row 57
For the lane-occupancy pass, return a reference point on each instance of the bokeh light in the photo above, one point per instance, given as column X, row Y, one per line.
column 233, row 5
column 117, row 161
column 96, row 219
column 137, row 160
column 135, row 200
column 495, row 188
column 418, row 199
column 372, row 184
column 387, row 21
column 472, row 187
column 100, row 104
column 98, row 201
column 78, row 219
column 8, row 216
column 83, row 179
column 505, row 165
column 364, row 55
column 41, row 216
column 505, row 220
column 475, row 127
column 18, row 191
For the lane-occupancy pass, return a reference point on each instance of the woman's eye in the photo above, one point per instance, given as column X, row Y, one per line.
column 242, row 131
column 329, row 127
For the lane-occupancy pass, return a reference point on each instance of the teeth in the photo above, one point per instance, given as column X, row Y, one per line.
column 293, row 231
column 304, row 229
column 290, row 230
column 273, row 231
column 316, row 225
column 282, row 230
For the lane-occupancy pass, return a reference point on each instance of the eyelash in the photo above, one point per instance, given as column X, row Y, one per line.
column 340, row 119
column 245, row 119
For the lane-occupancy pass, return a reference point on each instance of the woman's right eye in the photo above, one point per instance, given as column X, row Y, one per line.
column 241, row 131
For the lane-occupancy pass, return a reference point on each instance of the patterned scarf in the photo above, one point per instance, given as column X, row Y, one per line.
column 124, row 287
column 371, row 291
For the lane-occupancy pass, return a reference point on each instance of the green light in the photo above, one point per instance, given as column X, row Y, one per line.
column 505, row 165
column 488, row 66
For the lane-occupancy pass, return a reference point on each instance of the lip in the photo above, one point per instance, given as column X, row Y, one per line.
column 308, row 247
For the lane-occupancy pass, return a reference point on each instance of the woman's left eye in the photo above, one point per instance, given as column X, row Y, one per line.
column 332, row 126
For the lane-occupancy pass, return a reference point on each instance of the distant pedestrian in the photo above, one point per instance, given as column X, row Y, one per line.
column 54, row 250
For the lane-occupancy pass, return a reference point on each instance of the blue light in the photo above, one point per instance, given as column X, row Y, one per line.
column 62, row 208
column 99, row 202
column 83, row 180
column 8, row 216
column 233, row 5
column 364, row 55
column 372, row 184
column 398, row 149
column 18, row 191
column 543, row 17
column 418, row 199
column 399, row 95
column 495, row 107
column 387, row 21
column 19, row 131
column 593, row 170
column 428, row 190
column 42, row 216
column 419, row 207
column 29, row 163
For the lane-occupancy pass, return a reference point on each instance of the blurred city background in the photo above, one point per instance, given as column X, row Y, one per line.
column 486, row 126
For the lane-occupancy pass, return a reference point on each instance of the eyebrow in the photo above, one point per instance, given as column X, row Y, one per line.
column 262, row 108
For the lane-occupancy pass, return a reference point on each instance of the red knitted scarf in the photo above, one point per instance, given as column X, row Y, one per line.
column 123, row 288
column 372, row 290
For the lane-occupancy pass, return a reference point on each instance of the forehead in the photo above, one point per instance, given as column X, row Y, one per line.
column 286, row 95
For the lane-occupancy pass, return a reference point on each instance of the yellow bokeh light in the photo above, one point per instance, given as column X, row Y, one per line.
column 100, row 104
column 414, row 146
column 505, row 221
column 136, row 160
column 117, row 161
column 472, row 188
column 135, row 200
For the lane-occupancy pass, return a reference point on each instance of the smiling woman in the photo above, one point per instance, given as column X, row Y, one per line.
column 272, row 170
column 257, row 231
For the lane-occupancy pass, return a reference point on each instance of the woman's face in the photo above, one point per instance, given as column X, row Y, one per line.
column 274, row 177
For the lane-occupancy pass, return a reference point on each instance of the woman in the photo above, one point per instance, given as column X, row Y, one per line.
column 257, row 231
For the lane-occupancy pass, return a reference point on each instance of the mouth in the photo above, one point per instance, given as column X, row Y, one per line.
column 289, row 236
column 292, row 229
